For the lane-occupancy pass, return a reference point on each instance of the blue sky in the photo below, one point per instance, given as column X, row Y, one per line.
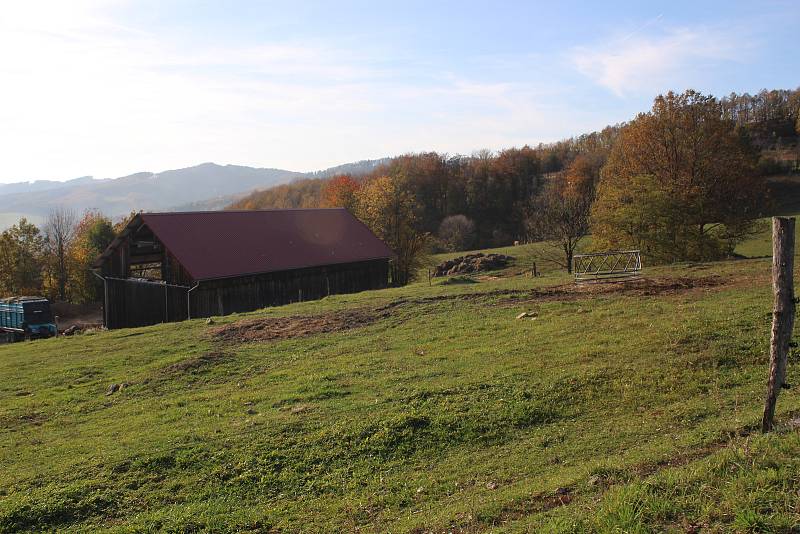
column 107, row 88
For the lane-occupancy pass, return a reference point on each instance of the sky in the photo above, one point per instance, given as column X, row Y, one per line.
column 109, row 88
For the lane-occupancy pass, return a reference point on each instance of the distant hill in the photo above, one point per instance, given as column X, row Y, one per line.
column 303, row 191
column 203, row 187
column 210, row 204
column 357, row 168
column 41, row 185
column 208, row 186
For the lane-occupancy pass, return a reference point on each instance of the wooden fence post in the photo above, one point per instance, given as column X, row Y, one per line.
column 782, row 314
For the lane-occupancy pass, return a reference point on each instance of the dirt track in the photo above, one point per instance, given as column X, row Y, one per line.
column 276, row 328
column 296, row 326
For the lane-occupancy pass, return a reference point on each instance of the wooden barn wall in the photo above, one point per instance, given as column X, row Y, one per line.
column 247, row 293
column 116, row 265
column 131, row 303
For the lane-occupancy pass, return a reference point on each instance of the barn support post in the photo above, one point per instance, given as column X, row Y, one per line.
column 189, row 300
column 105, row 297
column 782, row 315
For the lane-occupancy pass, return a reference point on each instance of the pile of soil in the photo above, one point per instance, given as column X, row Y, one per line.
column 277, row 328
column 472, row 263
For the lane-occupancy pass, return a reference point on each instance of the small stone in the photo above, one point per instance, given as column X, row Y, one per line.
column 210, row 320
column 491, row 485
column 113, row 388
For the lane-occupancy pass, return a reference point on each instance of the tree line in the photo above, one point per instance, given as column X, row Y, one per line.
column 54, row 260
column 684, row 180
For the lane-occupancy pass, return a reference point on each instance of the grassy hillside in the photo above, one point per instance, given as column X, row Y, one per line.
column 423, row 409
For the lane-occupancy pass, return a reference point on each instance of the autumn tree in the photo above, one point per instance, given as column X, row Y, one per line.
column 560, row 215
column 59, row 230
column 93, row 233
column 340, row 192
column 305, row 193
column 678, row 182
column 456, row 232
column 389, row 210
column 21, row 259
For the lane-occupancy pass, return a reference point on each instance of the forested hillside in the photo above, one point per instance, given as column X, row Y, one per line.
column 499, row 193
column 684, row 181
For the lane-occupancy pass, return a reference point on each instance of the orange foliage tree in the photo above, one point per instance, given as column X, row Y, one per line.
column 680, row 182
column 390, row 210
column 340, row 192
column 560, row 214
column 93, row 234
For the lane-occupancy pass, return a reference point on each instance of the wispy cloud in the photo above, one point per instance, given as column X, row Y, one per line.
column 85, row 90
column 639, row 63
column 82, row 93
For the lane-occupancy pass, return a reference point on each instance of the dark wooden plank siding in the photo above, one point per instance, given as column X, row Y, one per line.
column 132, row 303
column 247, row 293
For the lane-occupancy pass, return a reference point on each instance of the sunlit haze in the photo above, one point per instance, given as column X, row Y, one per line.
column 111, row 88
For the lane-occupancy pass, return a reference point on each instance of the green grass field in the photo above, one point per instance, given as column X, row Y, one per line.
column 617, row 409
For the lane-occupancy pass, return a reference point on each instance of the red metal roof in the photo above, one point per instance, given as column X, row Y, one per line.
column 222, row 244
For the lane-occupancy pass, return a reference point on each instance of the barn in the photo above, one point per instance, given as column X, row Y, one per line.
column 172, row 266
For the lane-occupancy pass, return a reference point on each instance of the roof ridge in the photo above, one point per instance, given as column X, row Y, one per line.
column 235, row 211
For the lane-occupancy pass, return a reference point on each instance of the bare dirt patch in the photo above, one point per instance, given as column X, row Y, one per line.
column 194, row 363
column 297, row 326
column 566, row 292
column 644, row 287
column 278, row 328
column 22, row 421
